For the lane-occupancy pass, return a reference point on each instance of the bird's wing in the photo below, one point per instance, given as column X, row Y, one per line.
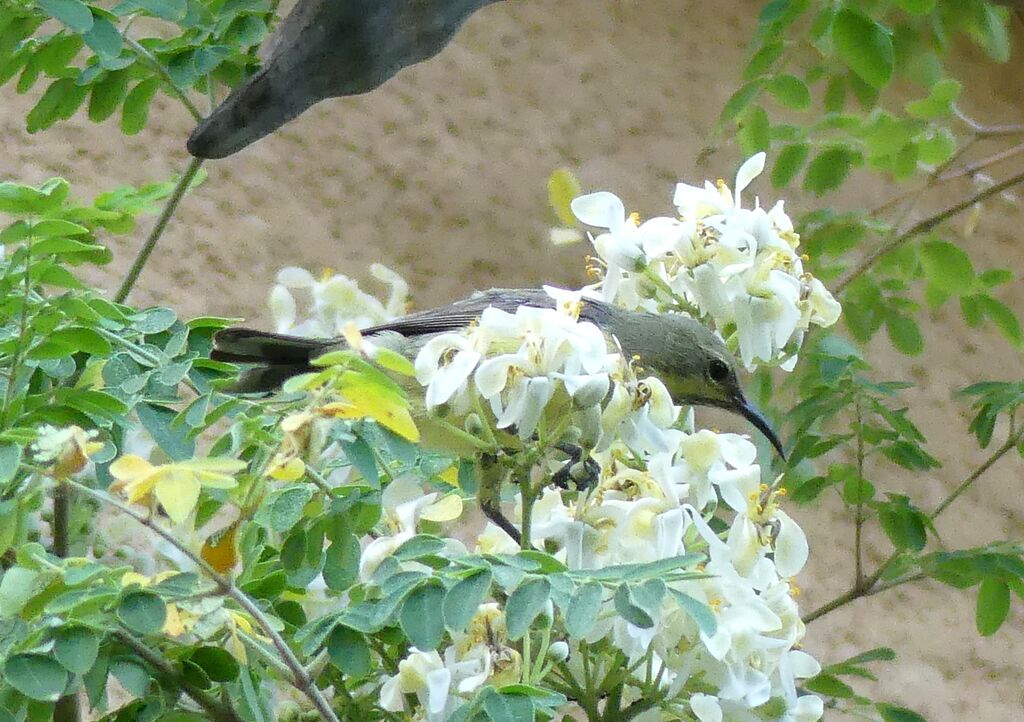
column 460, row 314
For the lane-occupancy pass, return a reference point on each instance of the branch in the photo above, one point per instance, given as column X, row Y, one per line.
column 972, row 168
column 158, row 229
column 924, row 226
column 870, row 585
column 218, row 711
column 300, row 677
column 988, row 131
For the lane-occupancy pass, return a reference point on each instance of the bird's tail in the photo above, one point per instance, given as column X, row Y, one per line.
column 276, row 357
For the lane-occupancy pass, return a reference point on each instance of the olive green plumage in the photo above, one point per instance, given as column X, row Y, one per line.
column 694, row 364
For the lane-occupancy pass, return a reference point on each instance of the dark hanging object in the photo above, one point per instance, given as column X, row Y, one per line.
column 327, row 49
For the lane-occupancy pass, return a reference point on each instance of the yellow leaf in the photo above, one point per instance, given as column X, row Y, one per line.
column 562, row 189
column 447, row 508
column 219, row 551
column 173, row 624
column 178, row 491
column 389, row 410
column 289, row 470
column 130, row 467
column 450, row 475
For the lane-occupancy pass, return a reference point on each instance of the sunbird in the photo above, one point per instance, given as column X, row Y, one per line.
column 328, row 49
column 690, row 359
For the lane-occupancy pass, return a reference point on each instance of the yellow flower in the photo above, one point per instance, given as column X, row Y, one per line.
column 176, row 485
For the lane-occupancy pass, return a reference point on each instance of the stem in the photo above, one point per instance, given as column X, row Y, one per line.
column 158, row 229
column 1010, row 442
column 161, row 70
column 870, row 585
column 924, row 226
column 858, row 529
column 217, row 710
column 988, row 131
column 972, row 168
column 300, row 677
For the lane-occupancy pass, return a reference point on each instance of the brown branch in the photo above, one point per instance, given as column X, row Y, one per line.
column 972, row 168
column 870, row 585
column 924, row 226
column 217, row 710
column 300, row 677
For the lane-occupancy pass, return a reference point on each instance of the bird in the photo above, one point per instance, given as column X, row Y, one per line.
column 691, row 360
column 326, row 49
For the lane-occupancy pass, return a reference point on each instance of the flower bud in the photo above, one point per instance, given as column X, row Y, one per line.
column 473, row 424
column 558, row 651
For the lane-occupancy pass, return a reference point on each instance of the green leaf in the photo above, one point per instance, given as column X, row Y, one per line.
column 104, row 38
column 49, row 108
column 754, row 132
column 828, row 170
column 878, row 654
column 917, row 7
column 739, row 101
column 763, row 60
column 892, row 713
column 790, row 92
column 698, row 611
column 828, row 685
column 864, row 45
column 133, row 677
column 107, row 94
column 996, row 277
column 583, row 609
column 16, row 587
column 174, row 441
column 563, row 187
column 835, row 94
column 142, row 612
column 421, row 617
column 464, row 598
column 525, row 604
column 939, row 101
column 36, row 676
column 173, row 10
column 904, row 333
column 992, row 32
column 75, row 14
column 349, row 651
column 788, row 163
column 216, row 662
column 993, row 605
column 76, row 648
column 10, row 459
column 934, row 147
column 341, row 565
column 419, row 546
column 948, row 267
column 509, row 707
column 282, row 509
column 1003, row 317
column 154, row 320
column 136, row 106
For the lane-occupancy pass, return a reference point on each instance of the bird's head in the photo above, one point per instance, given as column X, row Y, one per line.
column 695, row 366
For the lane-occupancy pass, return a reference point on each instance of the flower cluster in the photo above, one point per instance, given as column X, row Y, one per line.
column 735, row 268
column 660, row 485
column 332, row 301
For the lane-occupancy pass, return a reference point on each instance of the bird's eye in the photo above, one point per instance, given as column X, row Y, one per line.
column 718, row 371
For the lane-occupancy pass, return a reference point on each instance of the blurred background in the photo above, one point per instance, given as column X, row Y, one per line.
column 441, row 174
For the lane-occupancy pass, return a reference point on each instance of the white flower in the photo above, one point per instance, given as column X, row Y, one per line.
column 422, row 674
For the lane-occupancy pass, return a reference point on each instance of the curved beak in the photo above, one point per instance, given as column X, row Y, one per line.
column 751, row 414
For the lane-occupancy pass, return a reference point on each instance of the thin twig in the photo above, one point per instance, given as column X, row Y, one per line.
column 217, row 710
column 161, row 224
column 300, row 677
column 870, row 585
column 1011, row 442
column 924, row 226
column 161, row 70
column 858, row 551
column 972, row 168
column 22, row 328
column 988, row 131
